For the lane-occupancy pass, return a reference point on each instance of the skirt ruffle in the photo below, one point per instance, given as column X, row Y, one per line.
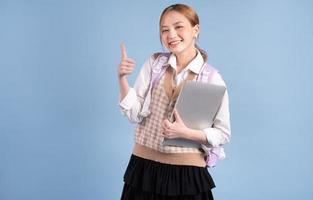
column 147, row 179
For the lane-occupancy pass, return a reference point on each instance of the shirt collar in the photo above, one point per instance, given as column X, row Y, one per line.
column 194, row 66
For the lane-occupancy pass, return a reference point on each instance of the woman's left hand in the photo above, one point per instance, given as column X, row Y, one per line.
column 177, row 129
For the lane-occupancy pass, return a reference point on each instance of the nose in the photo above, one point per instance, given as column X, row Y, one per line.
column 172, row 33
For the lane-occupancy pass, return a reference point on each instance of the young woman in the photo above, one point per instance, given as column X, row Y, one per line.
column 156, row 171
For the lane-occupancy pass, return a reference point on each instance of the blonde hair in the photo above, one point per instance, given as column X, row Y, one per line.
column 192, row 17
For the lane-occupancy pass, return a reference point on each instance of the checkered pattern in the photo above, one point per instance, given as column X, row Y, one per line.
column 149, row 131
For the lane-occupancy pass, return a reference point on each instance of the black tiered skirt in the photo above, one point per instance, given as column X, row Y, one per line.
column 150, row 180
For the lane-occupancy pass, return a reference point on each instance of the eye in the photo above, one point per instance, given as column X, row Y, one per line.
column 179, row 27
column 164, row 30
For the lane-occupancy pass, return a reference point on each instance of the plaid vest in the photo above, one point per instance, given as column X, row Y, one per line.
column 149, row 131
column 158, row 69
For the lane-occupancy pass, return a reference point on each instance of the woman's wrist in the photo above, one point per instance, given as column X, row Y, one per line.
column 124, row 87
column 196, row 135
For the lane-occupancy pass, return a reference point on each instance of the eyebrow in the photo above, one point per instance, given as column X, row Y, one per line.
column 174, row 24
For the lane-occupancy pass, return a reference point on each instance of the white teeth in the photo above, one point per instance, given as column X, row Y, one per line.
column 175, row 42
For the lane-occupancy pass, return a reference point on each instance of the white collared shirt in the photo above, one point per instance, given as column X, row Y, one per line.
column 131, row 105
column 194, row 66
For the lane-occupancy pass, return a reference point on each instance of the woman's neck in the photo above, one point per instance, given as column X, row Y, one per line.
column 184, row 58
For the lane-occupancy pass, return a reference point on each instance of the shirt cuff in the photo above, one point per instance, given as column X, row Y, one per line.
column 129, row 99
column 212, row 137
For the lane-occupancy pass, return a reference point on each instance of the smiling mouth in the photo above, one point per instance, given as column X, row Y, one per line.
column 174, row 43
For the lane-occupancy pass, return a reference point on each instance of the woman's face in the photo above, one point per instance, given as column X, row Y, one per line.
column 177, row 34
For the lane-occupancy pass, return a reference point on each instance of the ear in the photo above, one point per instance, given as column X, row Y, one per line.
column 196, row 30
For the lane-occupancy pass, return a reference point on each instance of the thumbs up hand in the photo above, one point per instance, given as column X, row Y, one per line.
column 127, row 65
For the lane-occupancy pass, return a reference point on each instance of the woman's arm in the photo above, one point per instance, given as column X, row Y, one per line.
column 126, row 67
column 215, row 136
column 132, row 98
column 178, row 129
column 220, row 132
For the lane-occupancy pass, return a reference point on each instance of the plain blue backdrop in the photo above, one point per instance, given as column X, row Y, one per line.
column 62, row 135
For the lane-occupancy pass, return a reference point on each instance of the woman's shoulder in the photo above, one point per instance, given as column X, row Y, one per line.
column 157, row 58
column 216, row 77
column 158, row 55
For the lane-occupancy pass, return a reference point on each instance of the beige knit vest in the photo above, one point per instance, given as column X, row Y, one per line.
column 149, row 131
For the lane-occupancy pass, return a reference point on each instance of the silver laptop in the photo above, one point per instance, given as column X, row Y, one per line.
column 197, row 104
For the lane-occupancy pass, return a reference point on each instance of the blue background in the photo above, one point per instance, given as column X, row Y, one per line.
column 62, row 135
